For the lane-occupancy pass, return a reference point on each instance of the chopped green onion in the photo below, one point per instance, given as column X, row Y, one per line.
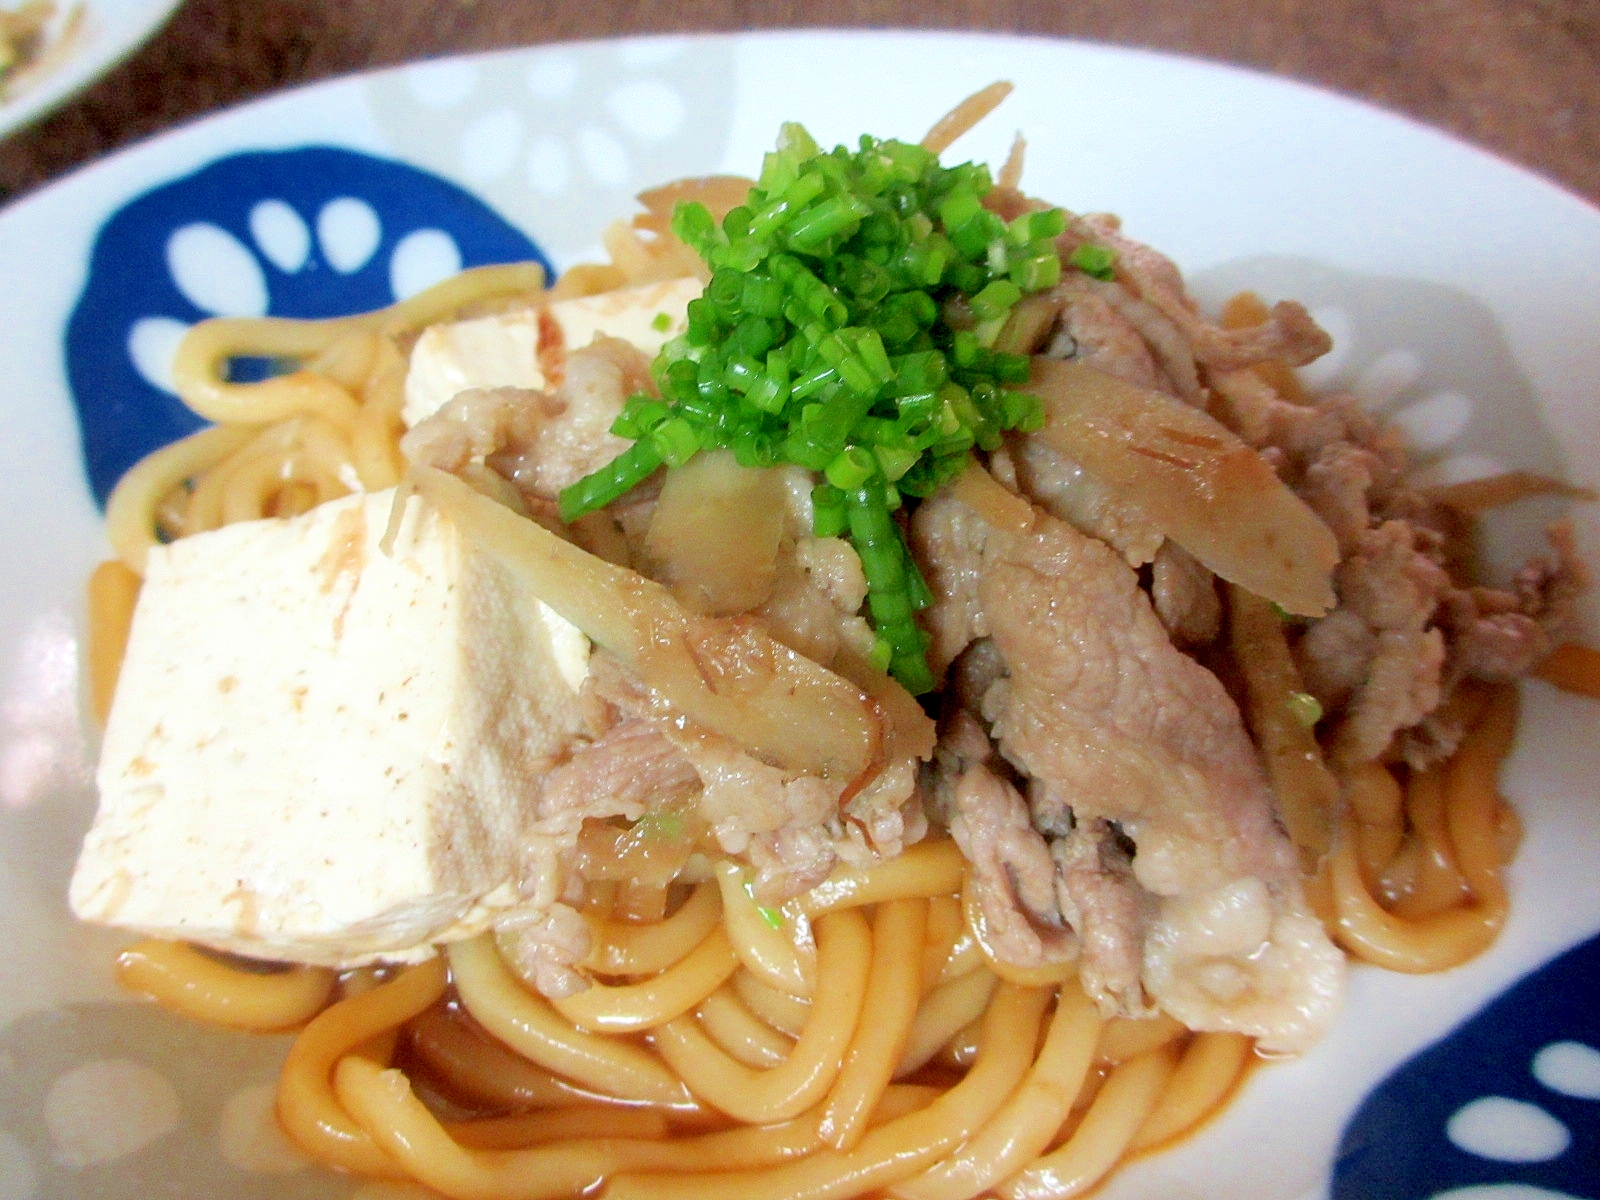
column 1305, row 708
column 772, row 916
column 828, row 517
column 617, row 478
column 1095, row 260
column 821, row 341
column 675, row 441
column 851, row 468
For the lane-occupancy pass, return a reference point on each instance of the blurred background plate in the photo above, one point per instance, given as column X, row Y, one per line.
column 1463, row 294
column 83, row 40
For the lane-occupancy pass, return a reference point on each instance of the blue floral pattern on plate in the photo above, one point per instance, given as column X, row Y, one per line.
column 1507, row 1107
column 310, row 232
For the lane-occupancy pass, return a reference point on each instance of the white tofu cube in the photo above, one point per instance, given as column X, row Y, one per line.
column 322, row 750
column 504, row 350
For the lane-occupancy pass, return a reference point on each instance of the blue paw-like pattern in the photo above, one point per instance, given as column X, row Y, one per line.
column 1507, row 1105
column 279, row 216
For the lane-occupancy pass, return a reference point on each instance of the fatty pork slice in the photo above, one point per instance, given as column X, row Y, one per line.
column 1110, row 720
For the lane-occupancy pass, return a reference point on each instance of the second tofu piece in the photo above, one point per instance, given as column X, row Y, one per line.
column 505, row 350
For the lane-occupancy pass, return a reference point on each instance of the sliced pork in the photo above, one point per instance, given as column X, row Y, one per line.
column 1131, row 744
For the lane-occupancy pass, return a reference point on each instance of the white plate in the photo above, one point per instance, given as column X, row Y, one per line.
column 1464, row 292
column 84, row 41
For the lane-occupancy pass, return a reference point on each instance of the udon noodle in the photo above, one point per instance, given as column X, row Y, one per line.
column 866, row 1043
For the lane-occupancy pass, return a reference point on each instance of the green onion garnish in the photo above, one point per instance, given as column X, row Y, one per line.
column 1094, row 259
column 1305, row 708
column 824, row 339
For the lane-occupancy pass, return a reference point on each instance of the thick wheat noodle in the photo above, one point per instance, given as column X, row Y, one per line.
column 310, row 452
column 384, row 1102
column 113, row 593
column 1211, row 1067
column 199, row 368
column 526, row 1023
column 1572, row 668
column 375, row 435
column 945, row 931
column 891, row 1151
column 844, row 956
column 1122, row 1105
column 1376, row 802
column 1123, row 1038
column 943, row 1013
column 957, row 1054
column 741, row 1034
column 1436, row 882
column 966, row 955
column 308, row 1110
column 182, row 978
column 131, row 523
column 786, row 1013
column 894, row 985
column 1022, row 1129
column 557, row 1125
column 769, row 954
column 199, row 371
column 1473, row 800
column 348, row 360
column 964, row 116
column 242, row 486
column 631, row 1007
column 626, row 948
column 1370, row 932
column 1473, row 822
column 474, row 1067
column 1046, row 974
column 929, row 868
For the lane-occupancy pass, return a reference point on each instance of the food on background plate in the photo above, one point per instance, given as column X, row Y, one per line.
column 32, row 40
column 868, row 691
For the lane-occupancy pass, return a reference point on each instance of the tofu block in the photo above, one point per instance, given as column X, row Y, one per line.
column 504, row 350
column 322, row 749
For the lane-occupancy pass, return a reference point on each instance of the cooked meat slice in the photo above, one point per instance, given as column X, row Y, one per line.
column 1106, row 326
column 1013, row 874
column 554, row 453
column 1289, row 335
column 946, row 539
column 1402, row 685
column 1336, row 484
column 1101, row 900
column 1548, row 588
column 628, row 769
column 1393, row 587
column 541, row 441
column 1125, row 728
column 544, row 946
column 1063, row 489
column 971, row 676
column 1120, row 723
column 1236, row 957
column 1333, row 656
column 1185, row 596
column 817, row 591
column 791, row 827
column 1092, row 331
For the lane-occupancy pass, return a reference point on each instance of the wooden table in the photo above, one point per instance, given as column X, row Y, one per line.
column 1520, row 77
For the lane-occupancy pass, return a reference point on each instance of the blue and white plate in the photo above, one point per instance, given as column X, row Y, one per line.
column 1464, row 294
